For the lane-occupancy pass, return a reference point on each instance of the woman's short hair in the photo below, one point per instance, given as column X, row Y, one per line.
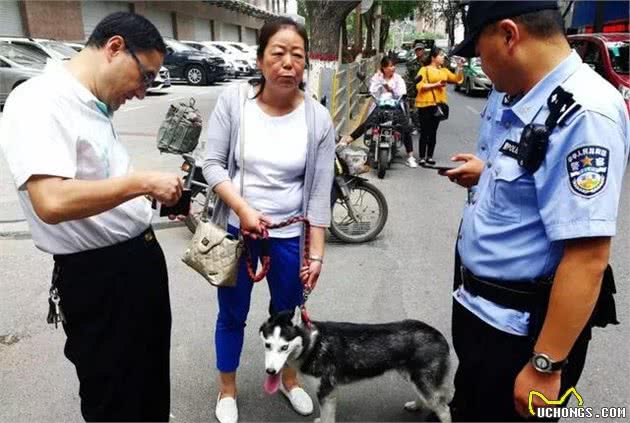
column 386, row 61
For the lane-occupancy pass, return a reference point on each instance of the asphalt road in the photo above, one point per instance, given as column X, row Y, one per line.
column 405, row 273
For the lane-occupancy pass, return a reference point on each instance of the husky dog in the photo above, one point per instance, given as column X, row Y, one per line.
column 341, row 353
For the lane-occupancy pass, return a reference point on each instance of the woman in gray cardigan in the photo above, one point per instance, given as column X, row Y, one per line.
column 289, row 170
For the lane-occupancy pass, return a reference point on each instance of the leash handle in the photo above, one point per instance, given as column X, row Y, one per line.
column 266, row 260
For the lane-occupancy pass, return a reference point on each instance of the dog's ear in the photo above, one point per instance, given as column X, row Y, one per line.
column 297, row 317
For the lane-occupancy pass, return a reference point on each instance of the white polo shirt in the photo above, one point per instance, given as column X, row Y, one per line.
column 53, row 125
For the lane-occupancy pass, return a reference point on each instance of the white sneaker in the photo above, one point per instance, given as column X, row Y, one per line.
column 411, row 162
column 226, row 410
column 299, row 399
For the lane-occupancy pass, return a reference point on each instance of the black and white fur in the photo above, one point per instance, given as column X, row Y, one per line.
column 341, row 353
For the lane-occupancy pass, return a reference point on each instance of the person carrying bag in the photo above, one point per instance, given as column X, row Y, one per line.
column 431, row 101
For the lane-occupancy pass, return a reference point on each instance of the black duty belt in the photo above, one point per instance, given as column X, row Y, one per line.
column 518, row 295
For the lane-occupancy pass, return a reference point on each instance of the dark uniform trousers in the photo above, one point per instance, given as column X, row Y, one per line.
column 490, row 360
column 118, row 326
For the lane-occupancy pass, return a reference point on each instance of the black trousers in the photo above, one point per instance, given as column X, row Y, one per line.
column 399, row 119
column 118, row 326
column 490, row 360
column 428, row 133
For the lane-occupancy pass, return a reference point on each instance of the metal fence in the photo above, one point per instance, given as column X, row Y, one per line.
column 347, row 90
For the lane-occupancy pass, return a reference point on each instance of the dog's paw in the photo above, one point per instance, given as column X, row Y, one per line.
column 411, row 406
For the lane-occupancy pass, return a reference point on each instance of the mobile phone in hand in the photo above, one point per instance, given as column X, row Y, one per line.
column 181, row 208
column 438, row 166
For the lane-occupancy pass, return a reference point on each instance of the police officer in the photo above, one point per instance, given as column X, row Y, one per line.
column 411, row 80
column 544, row 189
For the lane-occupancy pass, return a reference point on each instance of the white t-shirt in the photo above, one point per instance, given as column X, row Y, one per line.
column 53, row 125
column 275, row 165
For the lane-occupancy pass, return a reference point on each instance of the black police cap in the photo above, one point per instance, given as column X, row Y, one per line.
column 482, row 13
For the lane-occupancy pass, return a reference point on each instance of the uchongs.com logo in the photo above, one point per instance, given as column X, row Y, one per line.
column 553, row 408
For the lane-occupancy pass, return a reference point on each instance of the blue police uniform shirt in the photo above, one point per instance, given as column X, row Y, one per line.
column 514, row 222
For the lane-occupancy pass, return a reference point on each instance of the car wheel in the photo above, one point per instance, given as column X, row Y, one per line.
column 195, row 75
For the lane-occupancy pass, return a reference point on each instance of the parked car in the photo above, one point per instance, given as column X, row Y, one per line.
column 17, row 64
column 248, row 51
column 238, row 56
column 75, row 46
column 232, row 68
column 162, row 81
column 606, row 54
column 50, row 48
column 193, row 66
column 474, row 77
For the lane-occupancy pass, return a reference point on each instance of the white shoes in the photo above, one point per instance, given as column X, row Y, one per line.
column 226, row 410
column 411, row 162
column 299, row 399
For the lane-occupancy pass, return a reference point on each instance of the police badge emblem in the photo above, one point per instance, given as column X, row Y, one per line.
column 588, row 169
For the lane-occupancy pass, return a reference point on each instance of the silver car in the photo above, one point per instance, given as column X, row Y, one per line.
column 17, row 64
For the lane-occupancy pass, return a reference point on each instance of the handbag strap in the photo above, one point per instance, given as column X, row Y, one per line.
column 243, row 96
column 426, row 71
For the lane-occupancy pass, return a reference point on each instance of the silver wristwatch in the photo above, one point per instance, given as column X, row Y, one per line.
column 544, row 364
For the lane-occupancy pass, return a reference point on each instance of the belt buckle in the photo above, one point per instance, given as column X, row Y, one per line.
column 148, row 236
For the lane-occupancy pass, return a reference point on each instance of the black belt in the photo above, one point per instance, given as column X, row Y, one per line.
column 519, row 295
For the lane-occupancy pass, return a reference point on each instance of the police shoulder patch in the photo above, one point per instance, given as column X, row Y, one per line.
column 587, row 167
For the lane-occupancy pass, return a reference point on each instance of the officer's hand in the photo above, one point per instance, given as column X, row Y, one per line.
column 466, row 175
column 531, row 380
column 164, row 187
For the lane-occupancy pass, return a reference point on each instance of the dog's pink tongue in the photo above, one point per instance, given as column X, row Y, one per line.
column 272, row 383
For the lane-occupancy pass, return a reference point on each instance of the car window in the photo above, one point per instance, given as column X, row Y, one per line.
column 30, row 47
column 60, row 48
column 618, row 53
column 593, row 57
column 4, row 64
column 179, row 47
column 238, row 47
column 220, row 47
column 22, row 56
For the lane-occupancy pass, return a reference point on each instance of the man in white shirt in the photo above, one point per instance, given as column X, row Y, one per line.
column 87, row 208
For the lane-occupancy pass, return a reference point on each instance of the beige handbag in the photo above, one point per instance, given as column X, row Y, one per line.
column 213, row 252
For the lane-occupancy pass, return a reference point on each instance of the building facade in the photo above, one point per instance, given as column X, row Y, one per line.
column 228, row 20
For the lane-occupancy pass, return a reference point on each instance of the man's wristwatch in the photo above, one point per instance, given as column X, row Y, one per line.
column 544, row 364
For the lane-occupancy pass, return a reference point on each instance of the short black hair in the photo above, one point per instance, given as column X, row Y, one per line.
column 139, row 33
column 543, row 23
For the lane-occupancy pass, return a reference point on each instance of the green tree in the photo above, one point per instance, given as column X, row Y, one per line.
column 325, row 18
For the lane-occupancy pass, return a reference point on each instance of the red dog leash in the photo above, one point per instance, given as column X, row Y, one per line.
column 266, row 260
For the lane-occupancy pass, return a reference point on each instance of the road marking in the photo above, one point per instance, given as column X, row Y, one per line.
column 472, row 109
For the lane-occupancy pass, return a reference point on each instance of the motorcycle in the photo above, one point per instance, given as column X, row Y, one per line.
column 359, row 209
column 384, row 140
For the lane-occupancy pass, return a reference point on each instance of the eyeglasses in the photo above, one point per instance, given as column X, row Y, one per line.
column 147, row 77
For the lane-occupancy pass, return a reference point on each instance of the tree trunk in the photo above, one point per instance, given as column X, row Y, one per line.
column 385, row 23
column 326, row 18
column 368, row 19
column 358, row 30
column 344, row 43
